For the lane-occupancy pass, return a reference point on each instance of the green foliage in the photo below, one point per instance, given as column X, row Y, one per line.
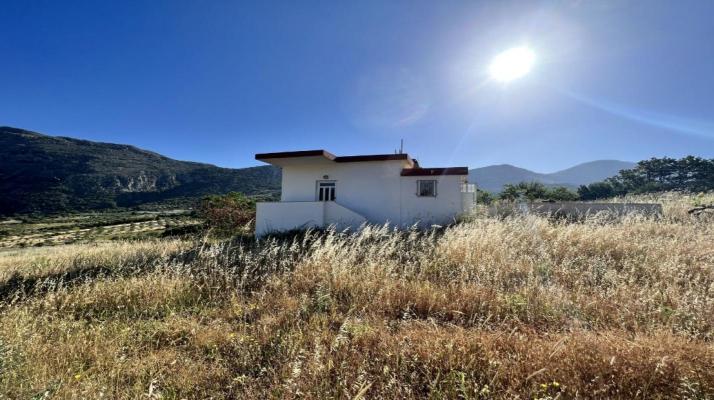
column 597, row 190
column 561, row 193
column 50, row 175
column 688, row 174
column 532, row 191
column 484, row 197
column 228, row 214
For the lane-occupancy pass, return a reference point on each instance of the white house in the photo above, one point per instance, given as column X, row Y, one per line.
column 320, row 189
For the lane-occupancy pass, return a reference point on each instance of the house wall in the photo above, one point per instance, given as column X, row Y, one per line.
column 468, row 201
column 286, row 216
column 341, row 217
column 375, row 190
column 427, row 211
column 370, row 188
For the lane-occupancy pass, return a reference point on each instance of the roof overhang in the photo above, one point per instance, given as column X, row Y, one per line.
column 435, row 171
column 295, row 154
column 286, row 157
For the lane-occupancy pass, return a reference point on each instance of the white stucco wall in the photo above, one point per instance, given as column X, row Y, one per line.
column 275, row 217
column 368, row 188
column 468, row 201
column 285, row 216
column 426, row 211
column 342, row 217
column 368, row 191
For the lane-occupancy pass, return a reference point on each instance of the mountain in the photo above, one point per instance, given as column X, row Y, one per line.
column 47, row 174
column 492, row 178
column 589, row 172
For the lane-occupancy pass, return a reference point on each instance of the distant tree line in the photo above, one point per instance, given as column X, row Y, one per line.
column 688, row 174
column 530, row 191
column 537, row 191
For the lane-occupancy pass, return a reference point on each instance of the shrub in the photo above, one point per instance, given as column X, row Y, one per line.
column 561, row 193
column 532, row 191
column 597, row 190
column 228, row 214
column 484, row 197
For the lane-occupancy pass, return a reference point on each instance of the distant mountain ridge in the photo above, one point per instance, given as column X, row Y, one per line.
column 51, row 174
column 48, row 174
column 494, row 177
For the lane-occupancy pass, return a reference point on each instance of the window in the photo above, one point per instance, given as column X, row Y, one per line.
column 426, row 188
column 468, row 188
column 325, row 190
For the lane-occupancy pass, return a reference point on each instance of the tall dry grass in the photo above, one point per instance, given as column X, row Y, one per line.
column 519, row 307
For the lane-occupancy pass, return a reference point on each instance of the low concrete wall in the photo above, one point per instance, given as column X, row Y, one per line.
column 289, row 215
column 285, row 216
column 468, row 201
column 342, row 217
column 576, row 209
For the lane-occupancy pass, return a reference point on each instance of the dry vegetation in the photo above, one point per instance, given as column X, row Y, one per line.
column 91, row 227
column 514, row 308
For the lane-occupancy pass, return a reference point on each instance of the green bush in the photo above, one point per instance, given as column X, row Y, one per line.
column 484, row 197
column 532, row 191
column 228, row 214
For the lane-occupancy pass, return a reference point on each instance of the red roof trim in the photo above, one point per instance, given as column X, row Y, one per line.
column 435, row 171
column 332, row 157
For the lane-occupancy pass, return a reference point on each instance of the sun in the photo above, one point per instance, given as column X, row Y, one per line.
column 511, row 64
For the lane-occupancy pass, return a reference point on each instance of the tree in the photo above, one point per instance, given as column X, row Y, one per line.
column 524, row 190
column 688, row 174
column 597, row 190
column 534, row 191
column 561, row 193
column 483, row 196
column 691, row 174
column 510, row 193
column 228, row 214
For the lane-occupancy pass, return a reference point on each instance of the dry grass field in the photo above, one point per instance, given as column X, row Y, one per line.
column 521, row 307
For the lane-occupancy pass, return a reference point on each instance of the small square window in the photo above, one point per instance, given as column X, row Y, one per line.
column 426, row 188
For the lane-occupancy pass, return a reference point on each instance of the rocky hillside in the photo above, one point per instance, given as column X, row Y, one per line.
column 47, row 174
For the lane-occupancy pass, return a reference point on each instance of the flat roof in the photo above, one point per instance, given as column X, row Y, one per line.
column 435, row 171
column 293, row 154
column 330, row 156
column 415, row 170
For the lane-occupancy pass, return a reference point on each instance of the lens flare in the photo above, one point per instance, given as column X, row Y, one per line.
column 512, row 64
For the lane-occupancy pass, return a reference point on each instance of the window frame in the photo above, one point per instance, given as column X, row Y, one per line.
column 419, row 191
column 332, row 184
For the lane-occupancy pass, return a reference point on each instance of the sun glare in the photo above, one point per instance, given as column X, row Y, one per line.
column 511, row 64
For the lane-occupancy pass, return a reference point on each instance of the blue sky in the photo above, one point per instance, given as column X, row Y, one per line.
column 217, row 81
